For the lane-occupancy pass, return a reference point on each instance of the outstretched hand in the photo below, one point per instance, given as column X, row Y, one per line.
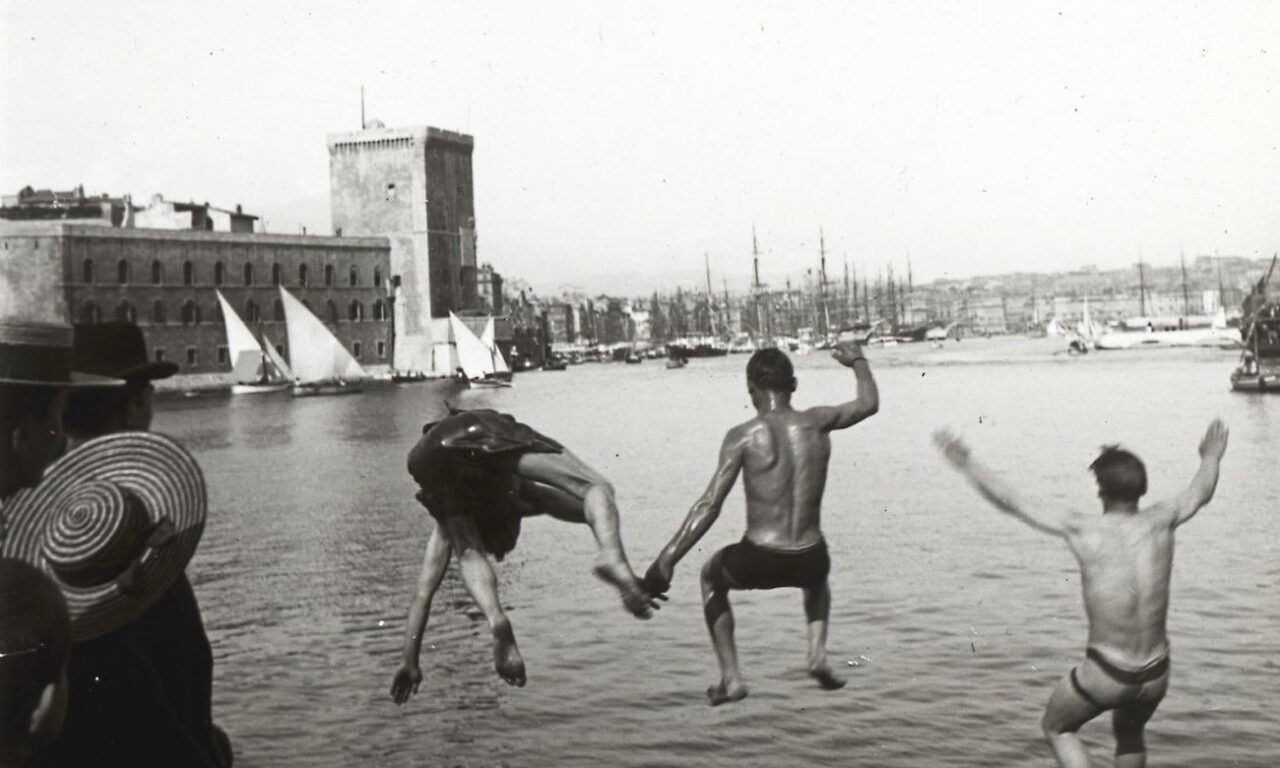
column 657, row 580
column 953, row 448
column 405, row 683
column 847, row 353
column 1214, row 442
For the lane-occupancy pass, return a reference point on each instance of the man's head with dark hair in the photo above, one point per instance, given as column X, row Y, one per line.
column 770, row 370
column 35, row 640
column 31, row 434
column 1121, row 475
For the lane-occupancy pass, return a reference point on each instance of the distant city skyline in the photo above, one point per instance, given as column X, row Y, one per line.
column 977, row 139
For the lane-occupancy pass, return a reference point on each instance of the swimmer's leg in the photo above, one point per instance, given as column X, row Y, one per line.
column 1129, row 723
column 817, row 608
column 715, row 607
column 1066, row 712
column 568, row 474
column 480, row 580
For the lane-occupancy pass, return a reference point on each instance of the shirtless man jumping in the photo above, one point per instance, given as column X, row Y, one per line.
column 783, row 455
column 1126, row 557
column 479, row 474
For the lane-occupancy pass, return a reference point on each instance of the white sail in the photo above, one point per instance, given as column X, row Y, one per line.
column 244, row 350
column 316, row 354
column 282, row 371
column 473, row 356
column 487, row 338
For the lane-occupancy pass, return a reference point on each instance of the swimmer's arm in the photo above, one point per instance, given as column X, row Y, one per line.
column 1002, row 495
column 434, row 563
column 705, row 510
column 867, row 402
column 1205, row 480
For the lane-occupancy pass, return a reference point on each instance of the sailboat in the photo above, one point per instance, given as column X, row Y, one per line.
column 500, row 368
column 321, row 365
column 256, row 365
column 479, row 361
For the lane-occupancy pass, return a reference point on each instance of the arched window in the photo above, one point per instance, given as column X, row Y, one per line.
column 275, row 274
column 217, row 312
column 377, row 277
column 277, row 312
column 302, row 274
column 89, row 313
column 355, row 311
column 158, row 316
column 188, row 273
column 190, row 313
column 157, row 273
column 328, row 275
column 248, row 274
column 87, row 272
column 379, row 310
column 122, row 272
column 355, row 276
column 332, row 311
column 251, row 313
column 126, row 312
column 219, row 273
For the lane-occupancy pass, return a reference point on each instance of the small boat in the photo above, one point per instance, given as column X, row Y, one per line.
column 321, row 364
column 554, row 362
column 1216, row 335
column 480, row 363
column 1259, row 368
column 676, row 362
column 257, row 366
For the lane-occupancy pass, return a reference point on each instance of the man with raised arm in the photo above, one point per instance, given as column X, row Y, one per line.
column 479, row 474
column 1126, row 557
column 782, row 454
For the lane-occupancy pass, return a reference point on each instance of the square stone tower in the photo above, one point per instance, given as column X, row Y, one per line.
column 414, row 186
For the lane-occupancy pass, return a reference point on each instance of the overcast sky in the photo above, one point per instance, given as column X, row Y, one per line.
column 627, row 140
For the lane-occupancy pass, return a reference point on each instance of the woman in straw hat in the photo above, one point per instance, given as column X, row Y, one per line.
column 113, row 524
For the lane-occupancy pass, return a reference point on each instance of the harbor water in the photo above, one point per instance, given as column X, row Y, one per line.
column 951, row 620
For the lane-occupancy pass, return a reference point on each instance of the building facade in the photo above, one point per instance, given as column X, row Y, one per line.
column 414, row 186
column 166, row 281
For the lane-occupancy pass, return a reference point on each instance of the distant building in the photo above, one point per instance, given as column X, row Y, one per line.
column 489, row 289
column 72, row 205
column 165, row 282
column 413, row 186
column 165, row 214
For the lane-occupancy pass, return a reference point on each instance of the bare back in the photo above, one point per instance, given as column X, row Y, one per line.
column 1125, row 564
column 784, row 466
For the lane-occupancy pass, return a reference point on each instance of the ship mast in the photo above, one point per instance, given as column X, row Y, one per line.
column 1186, row 298
column 1142, row 289
column 822, row 282
column 711, row 322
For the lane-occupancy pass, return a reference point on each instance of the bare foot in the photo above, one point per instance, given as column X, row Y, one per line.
column 506, row 656
column 634, row 598
column 720, row 693
column 826, row 678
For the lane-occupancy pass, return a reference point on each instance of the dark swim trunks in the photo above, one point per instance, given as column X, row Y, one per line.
column 1107, row 686
column 464, row 464
column 747, row 565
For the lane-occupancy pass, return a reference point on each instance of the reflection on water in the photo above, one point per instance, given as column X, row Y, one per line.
column 958, row 619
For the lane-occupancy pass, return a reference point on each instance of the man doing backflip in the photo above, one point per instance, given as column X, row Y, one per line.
column 782, row 454
column 480, row 473
column 1126, row 557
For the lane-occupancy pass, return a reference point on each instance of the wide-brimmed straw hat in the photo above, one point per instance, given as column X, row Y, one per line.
column 116, row 349
column 113, row 523
column 39, row 354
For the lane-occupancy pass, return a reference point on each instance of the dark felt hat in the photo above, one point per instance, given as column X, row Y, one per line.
column 39, row 354
column 116, row 349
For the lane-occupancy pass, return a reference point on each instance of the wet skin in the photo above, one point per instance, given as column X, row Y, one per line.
column 783, row 455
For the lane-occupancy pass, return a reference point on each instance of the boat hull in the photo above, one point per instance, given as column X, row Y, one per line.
column 320, row 390
column 1244, row 382
column 259, row 389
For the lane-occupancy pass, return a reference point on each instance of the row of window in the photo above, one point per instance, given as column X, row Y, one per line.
column 224, row 357
column 190, row 312
column 124, row 274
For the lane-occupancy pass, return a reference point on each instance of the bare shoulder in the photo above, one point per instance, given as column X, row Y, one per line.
column 1162, row 512
column 743, row 433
